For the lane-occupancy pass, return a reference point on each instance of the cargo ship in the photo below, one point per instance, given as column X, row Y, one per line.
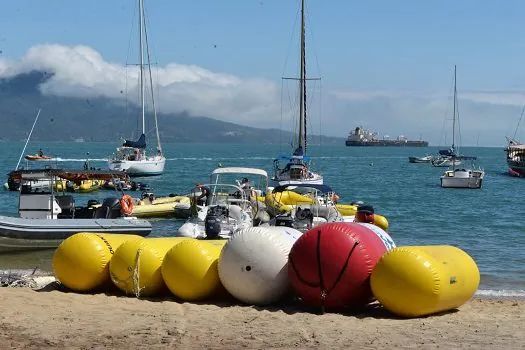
column 362, row 137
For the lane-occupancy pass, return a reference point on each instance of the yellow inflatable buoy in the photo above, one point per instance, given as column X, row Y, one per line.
column 135, row 266
column 81, row 261
column 190, row 269
column 381, row 221
column 346, row 209
column 413, row 281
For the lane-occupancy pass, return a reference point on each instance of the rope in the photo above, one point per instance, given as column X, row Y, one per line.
column 136, row 274
column 133, row 279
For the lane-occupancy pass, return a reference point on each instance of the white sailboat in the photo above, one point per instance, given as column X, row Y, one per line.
column 460, row 177
column 297, row 167
column 131, row 156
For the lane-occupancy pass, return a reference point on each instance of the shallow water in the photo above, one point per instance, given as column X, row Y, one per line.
column 486, row 223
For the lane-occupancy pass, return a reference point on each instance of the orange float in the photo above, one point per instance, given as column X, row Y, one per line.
column 126, row 204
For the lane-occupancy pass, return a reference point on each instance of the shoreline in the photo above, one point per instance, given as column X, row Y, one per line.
column 50, row 317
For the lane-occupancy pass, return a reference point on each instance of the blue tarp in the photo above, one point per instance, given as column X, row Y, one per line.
column 290, row 158
column 322, row 188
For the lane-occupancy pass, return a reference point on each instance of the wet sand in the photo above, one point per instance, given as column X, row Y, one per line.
column 52, row 318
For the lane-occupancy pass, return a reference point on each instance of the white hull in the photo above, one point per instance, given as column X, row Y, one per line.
column 147, row 167
column 282, row 181
column 462, row 179
column 195, row 226
column 445, row 162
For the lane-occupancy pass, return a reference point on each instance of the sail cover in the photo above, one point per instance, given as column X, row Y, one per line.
column 140, row 143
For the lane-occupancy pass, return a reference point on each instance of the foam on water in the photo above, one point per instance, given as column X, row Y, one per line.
column 501, row 293
column 59, row 159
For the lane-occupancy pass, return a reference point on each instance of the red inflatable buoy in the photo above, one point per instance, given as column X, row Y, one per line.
column 330, row 265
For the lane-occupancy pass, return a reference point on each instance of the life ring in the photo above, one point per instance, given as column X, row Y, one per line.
column 126, row 204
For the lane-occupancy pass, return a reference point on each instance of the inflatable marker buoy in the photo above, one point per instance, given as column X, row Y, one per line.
column 190, row 270
column 81, row 261
column 385, row 237
column 253, row 264
column 136, row 265
column 414, row 281
column 330, row 265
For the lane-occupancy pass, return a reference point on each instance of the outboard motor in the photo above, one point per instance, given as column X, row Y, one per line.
column 92, row 202
column 112, row 207
column 212, row 226
column 365, row 213
column 70, row 186
column 284, row 220
column 304, row 217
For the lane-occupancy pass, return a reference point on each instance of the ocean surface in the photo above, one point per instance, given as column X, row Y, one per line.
column 486, row 223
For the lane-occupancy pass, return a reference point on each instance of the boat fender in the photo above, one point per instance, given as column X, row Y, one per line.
column 126, row 204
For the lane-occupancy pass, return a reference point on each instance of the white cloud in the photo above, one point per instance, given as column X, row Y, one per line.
column 80, row 71
column 510, row 98
column 487, row 116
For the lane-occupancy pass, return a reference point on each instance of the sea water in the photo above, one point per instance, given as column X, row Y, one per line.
column 487, row 223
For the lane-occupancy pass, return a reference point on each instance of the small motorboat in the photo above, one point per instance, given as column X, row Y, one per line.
column 425, row 159
column 316, row 206
column 149, row 206
column 37, row 157
column 231, row 206
column 463, row 177
column 45, row 217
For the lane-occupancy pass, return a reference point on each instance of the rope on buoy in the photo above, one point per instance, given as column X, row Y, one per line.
column 136, row 274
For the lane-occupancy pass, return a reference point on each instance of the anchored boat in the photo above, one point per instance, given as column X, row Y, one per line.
column 45, row 217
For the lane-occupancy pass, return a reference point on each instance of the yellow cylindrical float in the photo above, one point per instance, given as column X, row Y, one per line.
column 414, row 281
column 135, row 266
column 381, row 221
column 346, row 209
column 81, row 261
column 190, row 271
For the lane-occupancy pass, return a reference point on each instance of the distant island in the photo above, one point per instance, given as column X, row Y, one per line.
column 101, row 119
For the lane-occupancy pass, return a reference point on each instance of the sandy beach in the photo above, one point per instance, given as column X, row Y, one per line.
column 33, row 319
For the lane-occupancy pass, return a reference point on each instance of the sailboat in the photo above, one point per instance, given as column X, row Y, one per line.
column 297, row 167
column 516, row 152
column 464, row 177
column 131, row 156
column 449, row 157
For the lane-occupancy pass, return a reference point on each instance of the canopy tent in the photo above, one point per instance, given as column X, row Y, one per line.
column 73, row 175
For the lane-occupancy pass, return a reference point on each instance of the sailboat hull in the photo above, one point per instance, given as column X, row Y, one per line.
column 274, row 182
column 146, row 167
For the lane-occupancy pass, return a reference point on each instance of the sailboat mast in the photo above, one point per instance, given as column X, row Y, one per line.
column 454, row 114
column 302, row 89
column 159, row 147
column 141, row 36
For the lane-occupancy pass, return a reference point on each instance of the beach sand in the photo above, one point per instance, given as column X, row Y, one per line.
column 52, row 318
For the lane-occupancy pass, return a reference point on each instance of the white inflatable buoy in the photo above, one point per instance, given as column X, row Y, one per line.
column 253, row 264
column 385, row 237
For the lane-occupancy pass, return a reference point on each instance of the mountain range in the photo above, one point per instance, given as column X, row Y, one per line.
column 104, row 119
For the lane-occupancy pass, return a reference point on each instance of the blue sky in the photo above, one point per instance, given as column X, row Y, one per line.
column 382, row 53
